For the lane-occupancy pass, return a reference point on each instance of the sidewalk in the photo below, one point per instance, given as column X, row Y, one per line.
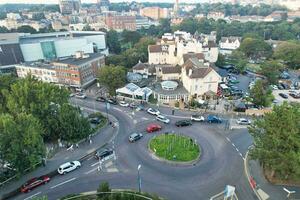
column 262, row 188
column 63, row 155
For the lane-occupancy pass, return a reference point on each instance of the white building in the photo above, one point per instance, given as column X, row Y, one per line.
column 133, row 92
column 228, row 44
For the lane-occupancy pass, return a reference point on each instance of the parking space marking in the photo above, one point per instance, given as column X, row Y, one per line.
column 30, row 197
column 67, row 181
column 92, row 170
column 97, row 163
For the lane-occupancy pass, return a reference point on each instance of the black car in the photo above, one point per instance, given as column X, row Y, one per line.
column 100, row 154
column 101, row 99
column 183, row 123
column 95, row 120
column 112, row 101
column 285, row 96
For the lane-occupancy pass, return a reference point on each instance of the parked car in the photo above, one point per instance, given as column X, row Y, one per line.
column 153, row 127
column 112, row 101
column 135, row 137
column 80, row 95
column 153, row 111
column 213, row 119
column 132, row 105
column 295, row 95
column 123, row 104
column 274, row 87
column 183, row 123
column 68, row 167
column 95, row 120
column 34, row 182
column 162, row 119
column 243, row 121
column 101, row 99
column 100, row 154
column 285, row 96
column 197, row 118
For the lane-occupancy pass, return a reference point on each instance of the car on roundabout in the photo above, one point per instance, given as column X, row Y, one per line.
column 100, row 154
column 214, row 119
column 33, row 183
column 68, row 167
column 163, row 119
column 183, row 123
column 197, row 118
column 123, row 104
column 153, row 127
column 112, row 101
column 135, row 137
column 80, row 95
column 153, row 111
column 101, row 99
column 243, row 121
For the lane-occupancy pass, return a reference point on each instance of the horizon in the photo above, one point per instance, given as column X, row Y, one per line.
column 93, row 1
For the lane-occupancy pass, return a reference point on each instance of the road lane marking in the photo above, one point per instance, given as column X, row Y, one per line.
column 97, row 163
column 72, row 179
column 237, row 149
column 92, row 170
column 90, row 158
column 110, row 163
column 233, row 144
column 30, row 197
column 112, row 170
column 118, row 109
column 228, row 139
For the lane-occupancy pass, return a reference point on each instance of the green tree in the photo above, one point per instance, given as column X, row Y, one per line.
column 261, row 94
column 21, row 142
column 26, row 29
column 113, row 42
column 5, row 83
column 277, row 142
column 255, row 48
column 112, row 77
column 142, row 48
column 131, row 37
column 238, row 58
column 289, row 53
column 271, row 70
column 73, row 126
column 3, row 29
column 103, row 187
column 221, row 60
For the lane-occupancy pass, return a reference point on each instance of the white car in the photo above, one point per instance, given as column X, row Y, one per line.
column 80, row 95
column 123, row 104
column 197, row 118
column 243, row 121
column 68, row 167
column 274, row 87
column 153, row 111
column 162, row 119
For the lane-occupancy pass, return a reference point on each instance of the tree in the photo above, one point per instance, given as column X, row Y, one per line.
column 87, row 28
column 238, row 58
column 3, row 29
column 113, row 43
column 131, row 37
column 5, row 82
column 73, row 126
column 103, row 187
column 261, row 94
column 277, row 142
column 21, row 141
column 271, row 70
column 26, row 29
column 289, row 53
column 221, row 60
column 255, row 48
column 112, row 77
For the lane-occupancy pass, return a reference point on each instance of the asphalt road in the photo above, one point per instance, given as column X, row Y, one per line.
column 221, row 162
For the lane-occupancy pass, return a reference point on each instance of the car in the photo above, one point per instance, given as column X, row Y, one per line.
column 213, row 119
column 72, row 95
column 295, row 95
column 183, row 123
column 274, row 87
column 285, row 96
column 153, row 111
column 68, row 167
column 101, row 99
column 112, row 101
column 95, row 120
column 33, row 183
column 197, row 118
column 243, row 121
column 132, row 105
column 153, row 127
column 123, row 104
column 162, row 119
column 140, row 107
column 135, row 137
column 80, row 95
column 100, row 154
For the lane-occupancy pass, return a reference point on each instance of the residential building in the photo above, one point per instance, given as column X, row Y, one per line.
column 293, row 15
column 103, row 5
column 155, row 13
column 69, row 6
column 276, row 16
column 144, row 69
column 120, row 22
column 228, row 44
column 144, row 22
column 215, row 15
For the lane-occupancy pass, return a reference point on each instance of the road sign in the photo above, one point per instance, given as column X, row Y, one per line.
column 229, row 191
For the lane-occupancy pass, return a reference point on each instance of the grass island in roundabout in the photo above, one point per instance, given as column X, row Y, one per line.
column 175, row 147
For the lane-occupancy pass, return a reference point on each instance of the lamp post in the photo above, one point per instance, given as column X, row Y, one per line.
column 139, row 178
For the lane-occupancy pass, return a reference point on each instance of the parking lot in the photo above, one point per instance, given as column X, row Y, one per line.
column 280, row 100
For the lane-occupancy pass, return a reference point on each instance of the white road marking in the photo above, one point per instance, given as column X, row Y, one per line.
column 228, row 139
column 90, row 158
column 110, row 163
column 118, row 109
column 72, row 179
column 145, row 118
column 111, row 170
column 233, row 144
column 30, row 197
column 135, row 121
column 175, row 116
column 237, row 149
column 97, row 163
column 92, row 170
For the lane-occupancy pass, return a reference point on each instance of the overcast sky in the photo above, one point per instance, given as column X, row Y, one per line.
column 91, row 1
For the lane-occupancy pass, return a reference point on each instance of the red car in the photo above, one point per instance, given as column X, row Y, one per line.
column 33, row 183
column 153, row 127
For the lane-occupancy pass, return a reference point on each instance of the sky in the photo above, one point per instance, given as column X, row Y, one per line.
column 91, row 1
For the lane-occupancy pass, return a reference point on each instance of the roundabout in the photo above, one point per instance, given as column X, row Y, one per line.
column 175, row 148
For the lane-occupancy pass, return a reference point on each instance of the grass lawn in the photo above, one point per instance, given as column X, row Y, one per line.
column 175, row 147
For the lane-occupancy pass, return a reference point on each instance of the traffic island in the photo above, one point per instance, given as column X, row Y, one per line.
column 175, row 149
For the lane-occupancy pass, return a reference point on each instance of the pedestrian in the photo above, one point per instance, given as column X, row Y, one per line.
column 77, row 146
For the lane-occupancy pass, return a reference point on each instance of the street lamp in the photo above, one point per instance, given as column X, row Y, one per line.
column 139, row 178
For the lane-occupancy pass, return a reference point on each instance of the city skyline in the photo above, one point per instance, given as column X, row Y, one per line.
column 90, row 1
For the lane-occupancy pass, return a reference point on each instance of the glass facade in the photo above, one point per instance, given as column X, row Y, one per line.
column 48, row 49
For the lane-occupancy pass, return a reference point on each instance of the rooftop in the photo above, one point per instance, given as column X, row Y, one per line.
column 79, row 61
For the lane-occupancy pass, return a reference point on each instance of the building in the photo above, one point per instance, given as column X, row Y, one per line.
column 144, row 69
column 69, row 6
column 293, row 15
column 155, row 13
column 49, row 46
column 133, row 92
column 228, row 44
column 215, row 15
column 77, row 71
column 144, row 22
column 120, row 22
column 10, row 52
column 290, row 4
column 103, row 5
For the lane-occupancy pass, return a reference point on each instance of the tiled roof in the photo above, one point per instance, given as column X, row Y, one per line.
column 187, row 56
column 140, row 66
column 199, row 69
column 155, row 48
column 231, row 39
column 171, row 70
